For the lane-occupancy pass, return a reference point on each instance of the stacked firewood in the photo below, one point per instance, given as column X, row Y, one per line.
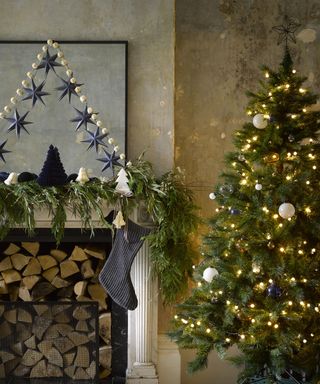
column 48, row 340
column 27, row 274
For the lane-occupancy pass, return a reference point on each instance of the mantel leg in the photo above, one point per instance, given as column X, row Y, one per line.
column 142, row 323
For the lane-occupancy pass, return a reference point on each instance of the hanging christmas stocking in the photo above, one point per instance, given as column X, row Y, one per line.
column 115, row 275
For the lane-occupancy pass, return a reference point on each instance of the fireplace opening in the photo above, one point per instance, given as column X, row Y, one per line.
column 35, row 271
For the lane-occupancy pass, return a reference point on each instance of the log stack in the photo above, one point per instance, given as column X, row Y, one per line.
column 42, row 340
column 28, row 274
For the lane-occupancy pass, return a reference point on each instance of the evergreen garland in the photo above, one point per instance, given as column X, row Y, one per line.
column 168, row 202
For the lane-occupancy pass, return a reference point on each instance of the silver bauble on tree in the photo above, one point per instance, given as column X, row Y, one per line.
column 259, row 121
column 209, row 273
column 286, row 210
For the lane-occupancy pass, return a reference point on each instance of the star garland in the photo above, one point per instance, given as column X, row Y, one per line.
column 95, row 139
column 110, row 160
column 84, row 118
column 70, row 87
column 3, row 151
column 48, row 62
column 35, row 93
column 18, row 122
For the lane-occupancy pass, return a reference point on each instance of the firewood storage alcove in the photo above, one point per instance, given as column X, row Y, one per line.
column 57, row 324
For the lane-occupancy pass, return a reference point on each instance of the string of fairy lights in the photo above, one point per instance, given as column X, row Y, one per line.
column 290, row 307
column 20, row 92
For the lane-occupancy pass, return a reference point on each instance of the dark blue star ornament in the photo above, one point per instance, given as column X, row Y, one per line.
column 67, row 88
column 18, row 122
column 110, row 160
column 35, row 93
column 49, row 62
column 95, row 139
column 83, row 118
column 3, row 151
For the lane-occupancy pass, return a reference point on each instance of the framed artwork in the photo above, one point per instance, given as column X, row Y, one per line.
column 100, row 67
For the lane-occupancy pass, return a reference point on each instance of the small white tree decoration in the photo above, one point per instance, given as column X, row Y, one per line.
column 82, row 176
column 12, row 179
column 122, row 184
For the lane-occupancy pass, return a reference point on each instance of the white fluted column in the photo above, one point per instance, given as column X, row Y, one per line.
column 142, row 323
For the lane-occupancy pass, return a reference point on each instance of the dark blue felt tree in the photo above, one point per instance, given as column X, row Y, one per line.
column 52, row 173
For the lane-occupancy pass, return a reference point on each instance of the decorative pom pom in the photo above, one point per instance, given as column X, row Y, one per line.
column 3, row 176
column 71, row 177
column 26, row 176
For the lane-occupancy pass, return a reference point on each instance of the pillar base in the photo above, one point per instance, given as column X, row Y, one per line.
column 142, row 373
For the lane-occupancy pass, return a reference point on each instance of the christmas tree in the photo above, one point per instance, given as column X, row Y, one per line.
column 258, row 285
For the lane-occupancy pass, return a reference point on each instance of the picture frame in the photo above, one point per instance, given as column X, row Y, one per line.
column 102, row 68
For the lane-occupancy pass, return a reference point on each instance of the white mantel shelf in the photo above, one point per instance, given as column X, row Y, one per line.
column 43, row 219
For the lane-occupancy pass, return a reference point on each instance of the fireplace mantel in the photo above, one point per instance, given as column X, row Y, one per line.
column 149, row 355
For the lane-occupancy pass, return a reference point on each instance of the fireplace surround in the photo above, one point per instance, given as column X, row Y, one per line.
column 143, row 352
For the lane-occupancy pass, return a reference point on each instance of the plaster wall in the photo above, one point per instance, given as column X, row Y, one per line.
column 220, row 45
column 149, row 28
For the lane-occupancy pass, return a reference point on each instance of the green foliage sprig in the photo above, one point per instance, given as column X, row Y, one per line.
column 167, row 200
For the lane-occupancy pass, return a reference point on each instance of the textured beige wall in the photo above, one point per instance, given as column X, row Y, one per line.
column 220, row 45
column 148, row 25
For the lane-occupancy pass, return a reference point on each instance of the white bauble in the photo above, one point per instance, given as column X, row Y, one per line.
column 259, row 121
column 258, row 187
column 209, row 273
column 286, row 210
column 212, row 196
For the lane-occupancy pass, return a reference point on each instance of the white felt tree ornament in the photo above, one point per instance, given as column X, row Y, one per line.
column 209, row 273
column 122, row 184
column 12, row 179
column 119, row 222
column 82, row 176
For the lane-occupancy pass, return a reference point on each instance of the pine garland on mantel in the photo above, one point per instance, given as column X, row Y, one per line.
column 167, row 200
